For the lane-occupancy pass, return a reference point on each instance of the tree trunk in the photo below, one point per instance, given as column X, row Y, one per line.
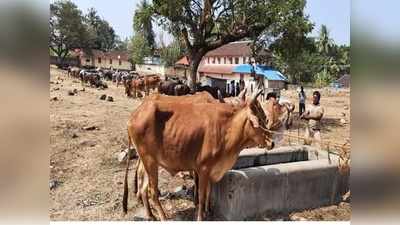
column 194, row 65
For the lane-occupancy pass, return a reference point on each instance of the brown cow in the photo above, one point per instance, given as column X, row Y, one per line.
column 141, row 84
column 134, row 86
column 141, row 178
column 74, row 72
column 204, row 137
column 199, row 97
column 151, row 82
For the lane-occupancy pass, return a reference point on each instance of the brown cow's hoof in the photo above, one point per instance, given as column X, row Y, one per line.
column 103, row 97
column 110, row 99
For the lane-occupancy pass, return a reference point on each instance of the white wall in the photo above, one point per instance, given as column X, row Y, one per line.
column 105, row 63
column 155, row 69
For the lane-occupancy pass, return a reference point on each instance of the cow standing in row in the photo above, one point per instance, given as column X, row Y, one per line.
column 73, row 72
column 145, row 84
column 205, row 137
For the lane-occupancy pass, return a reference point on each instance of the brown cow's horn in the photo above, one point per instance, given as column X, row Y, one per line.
column 220, row 97
column 255, row 95
column 242, row 94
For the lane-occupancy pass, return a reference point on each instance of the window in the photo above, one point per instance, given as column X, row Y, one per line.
column 213, row 60
column 236, row 60
column 208, row 60
column 99, row 60
column 218, row 60
column 110, row 61
column 119, row 62
column 224, row 60
column 88, row 60
column 230, row 60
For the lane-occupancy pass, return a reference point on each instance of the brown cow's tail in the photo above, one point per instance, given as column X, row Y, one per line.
column 125, row 196
column 135, row 178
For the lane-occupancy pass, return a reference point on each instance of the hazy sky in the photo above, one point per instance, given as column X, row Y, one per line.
column 335, row 14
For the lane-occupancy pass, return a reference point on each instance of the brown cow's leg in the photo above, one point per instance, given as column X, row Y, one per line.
column 207, row 204
column 203, row 181
column 144, row 187
column 152, row 172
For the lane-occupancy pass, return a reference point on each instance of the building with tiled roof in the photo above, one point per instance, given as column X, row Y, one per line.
column 232, row 65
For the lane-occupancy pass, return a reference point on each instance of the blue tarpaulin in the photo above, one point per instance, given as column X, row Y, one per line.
column 267, row 72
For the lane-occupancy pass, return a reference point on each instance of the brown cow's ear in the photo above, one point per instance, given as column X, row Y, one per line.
column 254, row 121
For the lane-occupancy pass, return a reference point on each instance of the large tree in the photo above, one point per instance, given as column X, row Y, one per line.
column 325, row 43
column 67, row 30
column 292, row 44
column 208, row 24
column 104, row 37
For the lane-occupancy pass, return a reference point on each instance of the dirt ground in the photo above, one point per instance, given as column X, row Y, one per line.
column 86, row 133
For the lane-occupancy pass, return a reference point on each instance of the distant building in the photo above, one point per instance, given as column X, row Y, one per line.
column 151, row 65
column 182, row 67
column 231, row 66
column 106, row 60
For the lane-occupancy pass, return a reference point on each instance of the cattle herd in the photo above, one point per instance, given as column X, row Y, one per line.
column 178, row 130
column 138, row 85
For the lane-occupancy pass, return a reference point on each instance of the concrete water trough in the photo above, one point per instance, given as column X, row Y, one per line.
column 278, row 181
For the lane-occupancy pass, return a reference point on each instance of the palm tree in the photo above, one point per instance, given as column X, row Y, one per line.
column 142, row 23
column 324, row 43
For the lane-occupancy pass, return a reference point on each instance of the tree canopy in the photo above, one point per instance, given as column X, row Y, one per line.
column 209, row 24
column 104, row 37
column 71, row 29
column 142, row 23
column 280, row 26
column 67, row 30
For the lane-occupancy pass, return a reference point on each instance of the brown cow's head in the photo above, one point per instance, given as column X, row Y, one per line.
column 257, row 126
column 278, row 113
column 279, row 116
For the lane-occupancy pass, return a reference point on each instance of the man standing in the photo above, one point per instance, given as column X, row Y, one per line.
column 302, row 101
column 314, row 115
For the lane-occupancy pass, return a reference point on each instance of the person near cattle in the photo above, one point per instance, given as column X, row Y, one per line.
column 302, row 101
column 313, row 115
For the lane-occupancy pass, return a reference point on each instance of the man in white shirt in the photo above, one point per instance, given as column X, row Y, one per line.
column 313, row 115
